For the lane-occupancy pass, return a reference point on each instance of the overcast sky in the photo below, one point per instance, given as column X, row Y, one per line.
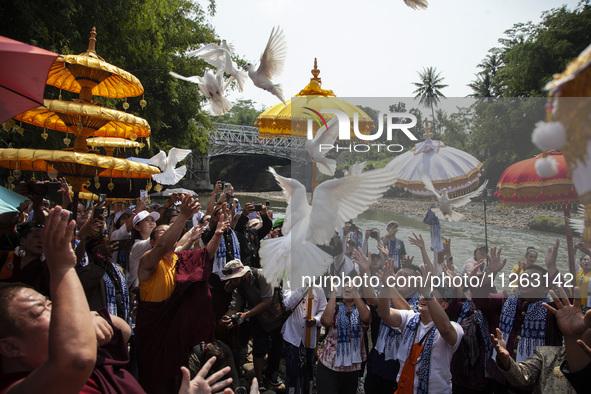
column 372, row 48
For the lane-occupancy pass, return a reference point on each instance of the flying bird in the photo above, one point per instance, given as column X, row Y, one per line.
column 169, row 175
column 416, row 4
column 305, row 227
column 220, row 56
column 578, row 225
column 212, row 87
column 355, row 169
column 324, row 136
column 271, row 64
column 446, row 204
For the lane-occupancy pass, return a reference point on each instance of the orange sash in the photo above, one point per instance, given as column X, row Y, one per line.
column 407, row 376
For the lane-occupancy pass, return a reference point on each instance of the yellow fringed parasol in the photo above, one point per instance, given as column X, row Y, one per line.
column 76, row 167
column 88, row 74
column 110, row 144
column 85, row 120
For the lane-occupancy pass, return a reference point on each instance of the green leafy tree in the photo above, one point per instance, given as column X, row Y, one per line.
column 146, row 38
column 533, row 53
column 242, row 113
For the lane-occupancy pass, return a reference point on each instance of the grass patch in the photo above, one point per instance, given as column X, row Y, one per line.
column 548, row 224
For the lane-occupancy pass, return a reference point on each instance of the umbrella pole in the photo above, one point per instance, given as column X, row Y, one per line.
column 569, row 241
column 309, row 315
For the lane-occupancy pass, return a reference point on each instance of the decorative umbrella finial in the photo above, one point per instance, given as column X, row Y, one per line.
column 92, row 40
column 315, row 72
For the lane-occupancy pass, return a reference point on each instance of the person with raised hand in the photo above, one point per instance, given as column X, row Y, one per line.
column 576, row 329
column 172, row 287
column 203, row 384
column 42, row 348
column 428, row 341
column 521, row 317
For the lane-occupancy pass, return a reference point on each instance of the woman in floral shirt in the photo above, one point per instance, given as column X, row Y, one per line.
column 344, row 347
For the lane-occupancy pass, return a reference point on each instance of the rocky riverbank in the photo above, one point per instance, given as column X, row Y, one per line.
column 473, row 212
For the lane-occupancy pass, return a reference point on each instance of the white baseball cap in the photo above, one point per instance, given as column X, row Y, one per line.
column 144, row 214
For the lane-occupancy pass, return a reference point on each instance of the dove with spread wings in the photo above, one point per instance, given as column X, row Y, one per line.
column 169, row 175
column 220, row 56
column 212, row 87
column 306, row 226
column 271, row 64
column 446, row 204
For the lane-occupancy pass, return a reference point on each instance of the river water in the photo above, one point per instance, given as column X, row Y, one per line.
column 464, row 236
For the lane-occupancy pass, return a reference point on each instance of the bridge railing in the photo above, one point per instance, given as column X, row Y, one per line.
column 236, row 139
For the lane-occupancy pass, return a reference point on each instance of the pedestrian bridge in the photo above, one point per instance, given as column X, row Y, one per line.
column 230, row 139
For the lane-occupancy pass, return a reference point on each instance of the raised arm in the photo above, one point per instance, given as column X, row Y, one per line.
column 364, row 261
column 72, row 342
column 214, row 243
column 390, row 316
column 165, row 244
column 440, row 318
column 571, row 322
column 420, row 243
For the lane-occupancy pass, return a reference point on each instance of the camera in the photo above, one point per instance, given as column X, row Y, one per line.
column 98, row 213
column 258, row 207
column 354, row 228
column 374, row 233
column 42, row 188
column 236, row 319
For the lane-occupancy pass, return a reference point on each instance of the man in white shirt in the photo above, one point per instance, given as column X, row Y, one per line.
column 429, row 339
column 299, row 358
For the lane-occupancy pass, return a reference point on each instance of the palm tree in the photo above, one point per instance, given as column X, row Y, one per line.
column 429, row 88
column 484, row 86
column 491, row 63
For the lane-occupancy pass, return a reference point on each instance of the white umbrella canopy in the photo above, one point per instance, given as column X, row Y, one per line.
column 447, row 167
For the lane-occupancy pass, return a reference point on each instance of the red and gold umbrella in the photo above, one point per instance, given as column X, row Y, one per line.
column 520, row 187
column 23, row 71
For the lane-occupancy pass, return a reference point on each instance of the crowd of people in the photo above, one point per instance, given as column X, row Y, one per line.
column 172, row 298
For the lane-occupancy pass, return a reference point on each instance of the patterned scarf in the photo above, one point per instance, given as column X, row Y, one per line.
column 471, row 340
column 394, row 252
column 219, row 261
column 117, row 295
column 533, row 331
column 389, row 338
column 405, row 346
column 348, row 337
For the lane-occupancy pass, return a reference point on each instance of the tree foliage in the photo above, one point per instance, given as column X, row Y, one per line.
column 146, row 38
column 242, row 113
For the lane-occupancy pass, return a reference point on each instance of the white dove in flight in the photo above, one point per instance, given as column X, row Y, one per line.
column 416, row 4
column 445, row 203
column 271, row 65
column 169, row 175
column 212, row 87
column 220, row 56
column 325, row 137
column 355, row 169
column 335, row 201
column 578, row 225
